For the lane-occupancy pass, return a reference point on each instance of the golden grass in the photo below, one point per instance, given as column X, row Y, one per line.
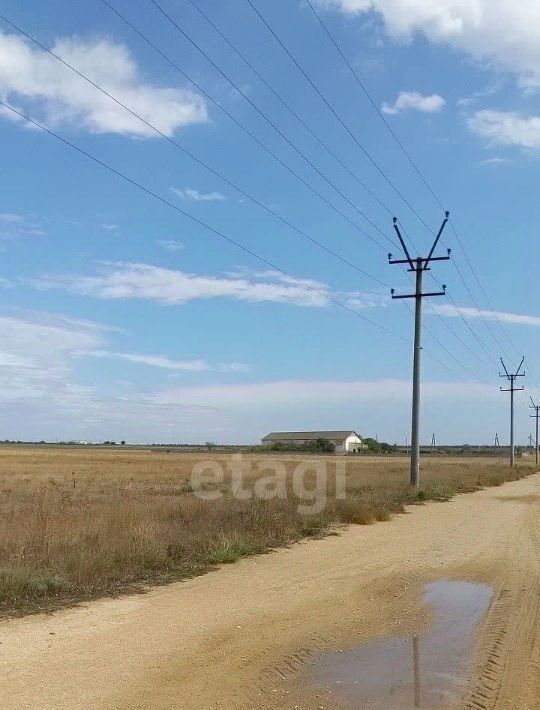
column 79, row 523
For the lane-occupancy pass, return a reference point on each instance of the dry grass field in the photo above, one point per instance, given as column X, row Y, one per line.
column 77, row 523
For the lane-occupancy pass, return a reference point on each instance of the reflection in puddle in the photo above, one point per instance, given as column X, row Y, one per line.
column 425, row 671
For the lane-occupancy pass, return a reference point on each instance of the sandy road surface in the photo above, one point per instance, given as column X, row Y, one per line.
column 231, row 638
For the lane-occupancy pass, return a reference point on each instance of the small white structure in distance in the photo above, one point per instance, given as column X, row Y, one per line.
column 345, row 442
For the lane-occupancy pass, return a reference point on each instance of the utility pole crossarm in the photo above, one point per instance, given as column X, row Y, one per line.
column 415, row 295
column 441, row 230
column 403, row 246
column 505, row 370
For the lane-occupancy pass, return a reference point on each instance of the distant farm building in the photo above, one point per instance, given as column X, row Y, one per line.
column 345, row 442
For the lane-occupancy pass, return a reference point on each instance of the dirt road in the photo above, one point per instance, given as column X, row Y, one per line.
column 232, row 638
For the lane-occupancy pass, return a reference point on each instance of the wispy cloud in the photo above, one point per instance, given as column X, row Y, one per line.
column 503, row 317
column 170, row 244
column 494, row 87
column 414, row 101
column 168, row 286
column 506, row 128
column 16, row 226
column 110, row 227
column 40, row 85
column 494, row 162
column 165, row 363
column 190, row 194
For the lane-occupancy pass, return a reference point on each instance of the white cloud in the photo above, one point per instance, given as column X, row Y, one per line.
column 413, row 100
column 40, row 85
column 165, row 363
column 507, row 128
column 190, row 194
column 497, row 31
column 170, row 244
column 494, row 162
column 110, row 227
column 15, row 226
column 467, row 312
column 144, row 281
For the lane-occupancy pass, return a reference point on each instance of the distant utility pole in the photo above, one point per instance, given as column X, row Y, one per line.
column 511, row 377
column 418, row 266
column 536, row 415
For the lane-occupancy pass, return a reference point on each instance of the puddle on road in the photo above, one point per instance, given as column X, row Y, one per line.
column 424, row 671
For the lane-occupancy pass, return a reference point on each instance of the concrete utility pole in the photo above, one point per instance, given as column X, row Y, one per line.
column 418, row 266
column 536, row 415
column 511, row 377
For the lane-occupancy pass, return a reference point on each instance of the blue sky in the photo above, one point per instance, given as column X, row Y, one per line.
column 122, row 318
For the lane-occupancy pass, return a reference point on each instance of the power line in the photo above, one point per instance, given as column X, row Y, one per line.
column 255, row 200
column 480, row 285
column 311, row 132
column 362, row 85
column 261, row 113
column 409, row 158
column 110, row 96
column 193, row 157
column 482, row 316
column 457, row 311
column 456, row 334
column 471, row 330
column 334, row 112
column 242, row 127
column 289, row 108
column 211, row 229
column 201, row 223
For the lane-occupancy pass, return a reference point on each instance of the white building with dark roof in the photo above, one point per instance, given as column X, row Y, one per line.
column 345, row 442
